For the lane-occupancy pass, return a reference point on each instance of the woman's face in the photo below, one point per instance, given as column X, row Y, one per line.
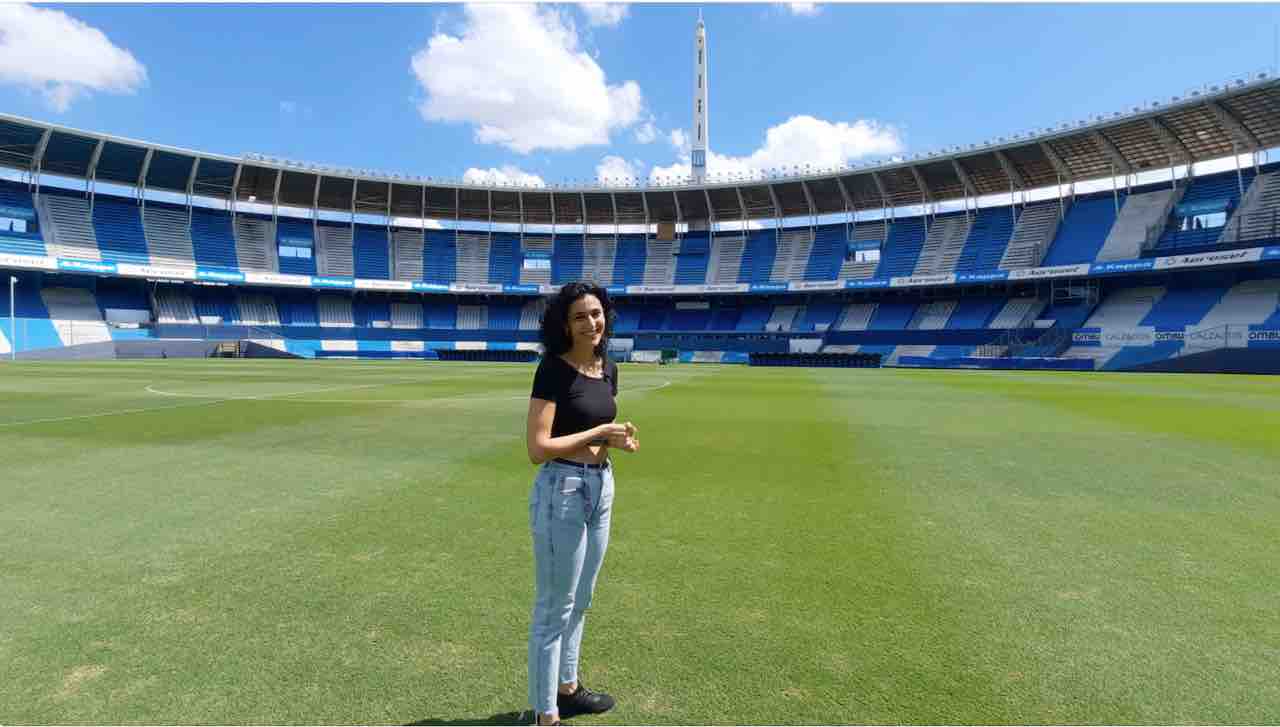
column 586, row 321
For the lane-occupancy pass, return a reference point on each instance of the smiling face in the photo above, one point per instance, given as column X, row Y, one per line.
column 586, row 322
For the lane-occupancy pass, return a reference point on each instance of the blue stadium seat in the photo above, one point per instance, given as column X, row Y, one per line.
column 974, row 313
column 1223, row 187
column 829, row 244
column 30, row 242
column 818, row 314
column 212, row 240
column 504, row 316
column 440, row 314
column 566, row 259
column 901, row 251
column 988, row 238
column 1083, row 231
column 758, row 256
column 504, row 260
column 291, row 229
column 439, row 257
column 892, row 316
column 754, row 316
column 1182, row 307
column 691, row 262
column 628, row 261
column 118, row 226
column 372, row 259
column 725, row 318
column 689, row 319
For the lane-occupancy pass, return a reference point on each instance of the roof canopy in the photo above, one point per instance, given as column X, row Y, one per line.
column 1236, row 117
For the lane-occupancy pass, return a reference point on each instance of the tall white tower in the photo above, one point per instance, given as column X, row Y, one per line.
column 701, row 132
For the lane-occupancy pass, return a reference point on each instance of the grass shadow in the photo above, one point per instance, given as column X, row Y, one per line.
column 522, row 717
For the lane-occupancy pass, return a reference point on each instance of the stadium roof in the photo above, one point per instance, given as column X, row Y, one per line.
column 1239, row 116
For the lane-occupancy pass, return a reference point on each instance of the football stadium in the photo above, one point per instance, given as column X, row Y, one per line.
column 982, row 435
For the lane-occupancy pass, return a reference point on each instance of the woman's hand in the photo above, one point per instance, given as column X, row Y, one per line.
column 625, row 439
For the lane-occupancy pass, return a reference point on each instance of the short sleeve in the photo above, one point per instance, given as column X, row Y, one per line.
column 547, row 384
column 613, row 376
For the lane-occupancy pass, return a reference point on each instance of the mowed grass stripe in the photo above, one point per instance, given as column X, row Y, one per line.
column 790, row 546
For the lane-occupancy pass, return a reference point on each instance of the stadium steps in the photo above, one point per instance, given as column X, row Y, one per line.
column 851, row 269
column 408, row 245
column 117, row 224
column 932, row 316
column 68, row 231
column 335, row 312
column 1032, row 234
column 830, row 243
column 1249, row 303
column 1256, row 218
column 909, row 350
column 792, row 256
column 539, row 244
column 406, row 315
column 334, row 251
column 258, row 310
column 531, row 314
column 1140, row 224
column 372, row 252
column 173, row 305
column 855, row 317
column 725, row 262
column 473, row 317
column 782, row 318
column 473, row 257
column 1017, row 313
column 943, row 245
column 75, row 315
column 255, row 244
column 598, row 254
column 1122, row 309
column 660, row 262
column 168, row 233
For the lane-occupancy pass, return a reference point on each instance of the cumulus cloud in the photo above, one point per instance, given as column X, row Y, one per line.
column 517, row 72
column 507, row 175
column 798, row 141
column 646, row 133
column 616, row 168
column 61, row 57
column 804, row 8
column 604, row 14
column 679, row 140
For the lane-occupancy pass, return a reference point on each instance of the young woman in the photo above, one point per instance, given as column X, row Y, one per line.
column 569, row 432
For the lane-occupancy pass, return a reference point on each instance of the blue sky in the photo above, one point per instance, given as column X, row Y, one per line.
column 563, row 92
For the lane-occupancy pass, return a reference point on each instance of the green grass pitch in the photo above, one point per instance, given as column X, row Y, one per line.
column 335, row 542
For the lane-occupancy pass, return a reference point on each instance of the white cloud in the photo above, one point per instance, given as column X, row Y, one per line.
column 798, row 141
column 646, row 133
column 604, row 14
column 61, row 57
column 679, row 140
column 617, row 168
column 518, row 74
column 506, row 175
column 804, row 8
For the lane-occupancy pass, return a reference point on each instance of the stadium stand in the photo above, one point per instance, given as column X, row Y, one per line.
column 67, row 227
column 406, row 315
column 297, row 234
column 856, row 317
column 566, row 265
column 212, row 239
column 117, row 224
column 659, row 262
column 1083, row 231
column 440, row 256
column 629, row 263
column 692, row 256
column 1035, row 229
column 902, row 248
column 1257, row 216
column 504, row 258
column 370, row 252
column 943, row 244
column 793, row 251
column 782, row 317
column 540, row 246
column 335, row 250
column 988, row 239
column 1139, row 224
column 21, row 236
column 335, row 312
column 759, row 255
column 598, row 254
column 725, row 262
column 472, row 257
column 830, row 243
column 409, row 248
column 168, row 231
column 255, row 243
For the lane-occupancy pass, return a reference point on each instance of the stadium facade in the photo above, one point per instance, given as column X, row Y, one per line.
column 986, row 256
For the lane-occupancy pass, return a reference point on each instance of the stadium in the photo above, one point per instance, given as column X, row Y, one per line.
column 913, row 451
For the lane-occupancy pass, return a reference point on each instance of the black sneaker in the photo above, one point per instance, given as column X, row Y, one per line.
column 583, row 701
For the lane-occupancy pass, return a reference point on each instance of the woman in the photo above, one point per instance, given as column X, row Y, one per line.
column 570, row 431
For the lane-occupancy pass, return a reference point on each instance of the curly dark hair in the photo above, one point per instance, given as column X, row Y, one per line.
column 555, row 340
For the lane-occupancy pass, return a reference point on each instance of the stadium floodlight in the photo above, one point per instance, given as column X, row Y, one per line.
column 13, row 331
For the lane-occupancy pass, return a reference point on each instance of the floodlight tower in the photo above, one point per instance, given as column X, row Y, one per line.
column 701, row 132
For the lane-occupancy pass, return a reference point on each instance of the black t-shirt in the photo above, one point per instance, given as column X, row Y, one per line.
column 581, row 402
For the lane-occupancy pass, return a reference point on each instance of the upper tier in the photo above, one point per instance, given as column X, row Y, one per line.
column 1212, row 122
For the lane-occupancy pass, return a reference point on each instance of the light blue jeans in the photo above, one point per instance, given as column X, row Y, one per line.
column 569, row 518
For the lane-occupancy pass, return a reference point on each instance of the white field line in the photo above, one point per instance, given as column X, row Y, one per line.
column 413, row 402
column 224, row 397
column 206, row 401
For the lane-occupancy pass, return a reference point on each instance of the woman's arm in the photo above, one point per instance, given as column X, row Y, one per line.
column 542, row 446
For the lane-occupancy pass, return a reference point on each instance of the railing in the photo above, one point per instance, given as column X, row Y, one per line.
column 1018, row 342
column 1260, row 225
